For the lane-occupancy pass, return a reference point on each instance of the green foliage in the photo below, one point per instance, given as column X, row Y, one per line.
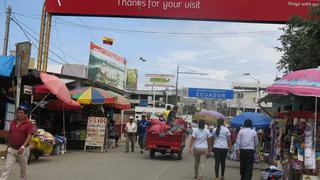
column 300, row 43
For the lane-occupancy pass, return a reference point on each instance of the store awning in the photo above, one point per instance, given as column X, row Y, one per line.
column 6, row 65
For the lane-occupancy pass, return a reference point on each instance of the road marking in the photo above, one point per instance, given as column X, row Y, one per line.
column 162, row 171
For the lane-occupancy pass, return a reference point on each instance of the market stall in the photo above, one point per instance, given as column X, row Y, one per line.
column 295, row 133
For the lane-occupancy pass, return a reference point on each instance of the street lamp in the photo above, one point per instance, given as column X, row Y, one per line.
column 184, row 72
column 258, row 87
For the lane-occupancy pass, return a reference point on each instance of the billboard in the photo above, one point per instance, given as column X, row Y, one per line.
column 132, row 79
column 23, row 51
column 210, row 93
column 160, row 80
column 226, row 10
column 106, row 67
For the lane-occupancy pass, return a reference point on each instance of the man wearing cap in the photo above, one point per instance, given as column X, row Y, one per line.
column 131, row 130
column 18, row 142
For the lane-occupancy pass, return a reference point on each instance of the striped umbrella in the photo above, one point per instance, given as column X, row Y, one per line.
column 93, row 95
column 121, row 102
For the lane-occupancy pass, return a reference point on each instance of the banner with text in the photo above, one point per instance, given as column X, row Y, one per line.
column 96, row 131
column 210, row 93
column 227, row 10
column 107, row 67
column 160, row 80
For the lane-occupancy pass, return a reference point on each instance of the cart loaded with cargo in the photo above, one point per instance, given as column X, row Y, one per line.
column 164, row 139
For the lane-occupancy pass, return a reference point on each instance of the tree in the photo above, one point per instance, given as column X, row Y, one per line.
column 300, row 43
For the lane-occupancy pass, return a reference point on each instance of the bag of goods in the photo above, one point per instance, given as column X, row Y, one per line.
column 155, row 129
column 164, row 128
column 155, row 121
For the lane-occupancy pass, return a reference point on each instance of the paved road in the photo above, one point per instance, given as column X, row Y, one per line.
column 118, row 165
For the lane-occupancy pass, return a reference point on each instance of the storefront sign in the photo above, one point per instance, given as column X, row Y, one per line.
column 159, row 80
column 27, row 89
column 210, row 93
column 107, row 67
column 239, row 10
column 95, row 134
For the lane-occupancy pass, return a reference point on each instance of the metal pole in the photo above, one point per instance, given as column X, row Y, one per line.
column 154, row 97
column 46, row 42
column 18, row 66
column 257, row 96
column 315, row 124
column 41, row 37
column 167, row 96
column 177, row 83
column 6, row 33
column 122, row 114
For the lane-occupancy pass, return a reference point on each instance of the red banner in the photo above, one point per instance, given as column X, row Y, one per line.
column 219, row 10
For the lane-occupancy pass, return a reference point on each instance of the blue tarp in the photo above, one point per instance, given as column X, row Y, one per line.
column 259, row 121
column 6, row 65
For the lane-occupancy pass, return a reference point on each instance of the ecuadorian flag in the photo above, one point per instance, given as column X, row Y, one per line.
column 107, row 40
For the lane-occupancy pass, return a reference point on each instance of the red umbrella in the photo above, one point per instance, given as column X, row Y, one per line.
column 59, row 105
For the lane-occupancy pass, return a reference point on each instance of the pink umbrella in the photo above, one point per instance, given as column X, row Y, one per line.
column 302, row 83
column 56, row 86
column 212, row 113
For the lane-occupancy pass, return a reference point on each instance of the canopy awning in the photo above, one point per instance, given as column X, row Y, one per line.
column 6, row 65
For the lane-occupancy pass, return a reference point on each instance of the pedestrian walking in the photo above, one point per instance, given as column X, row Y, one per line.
column 247, row 141
column 221, row 144
column 18, row 142
column 131, row 130
column 142, row 132
column 200, row 144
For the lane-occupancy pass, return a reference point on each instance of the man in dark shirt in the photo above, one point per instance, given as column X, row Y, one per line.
column 142, row 132
column 19, row 138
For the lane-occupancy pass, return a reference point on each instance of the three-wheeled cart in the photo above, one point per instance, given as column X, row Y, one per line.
column 166, row 143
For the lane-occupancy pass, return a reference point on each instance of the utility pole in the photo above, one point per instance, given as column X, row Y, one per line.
column 177, row 81
column 6, row 33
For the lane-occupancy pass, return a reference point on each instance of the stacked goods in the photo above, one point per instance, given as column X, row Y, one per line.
column 160, row 127
column 43, row 141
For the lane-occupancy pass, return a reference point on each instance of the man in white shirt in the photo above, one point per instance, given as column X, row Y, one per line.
column 131, row 130
column 247, row 141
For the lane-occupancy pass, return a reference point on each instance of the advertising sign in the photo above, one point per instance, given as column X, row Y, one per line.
column 160, row 80
column 132, row 79
column 226, row 10
column 210, row 93
column 107, row 67
column 96, row 130
column 23, row 51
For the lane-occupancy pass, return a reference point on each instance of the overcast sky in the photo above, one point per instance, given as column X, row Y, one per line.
column 223, row 50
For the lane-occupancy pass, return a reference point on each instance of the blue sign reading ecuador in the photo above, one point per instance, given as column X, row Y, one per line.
column 210, row 93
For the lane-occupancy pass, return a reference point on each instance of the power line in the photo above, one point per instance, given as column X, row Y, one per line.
column 90, row 32
column 26, row 34
column 58, row 39
column 167, row 33
column 199, row 34
column 59, row 48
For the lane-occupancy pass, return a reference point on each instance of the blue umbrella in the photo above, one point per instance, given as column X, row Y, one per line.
column 259, row 121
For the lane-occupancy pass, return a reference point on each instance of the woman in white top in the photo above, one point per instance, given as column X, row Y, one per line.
column 221, row 144
column 200, row 144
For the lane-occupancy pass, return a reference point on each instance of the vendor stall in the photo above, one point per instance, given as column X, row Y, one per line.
column 295, row 133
